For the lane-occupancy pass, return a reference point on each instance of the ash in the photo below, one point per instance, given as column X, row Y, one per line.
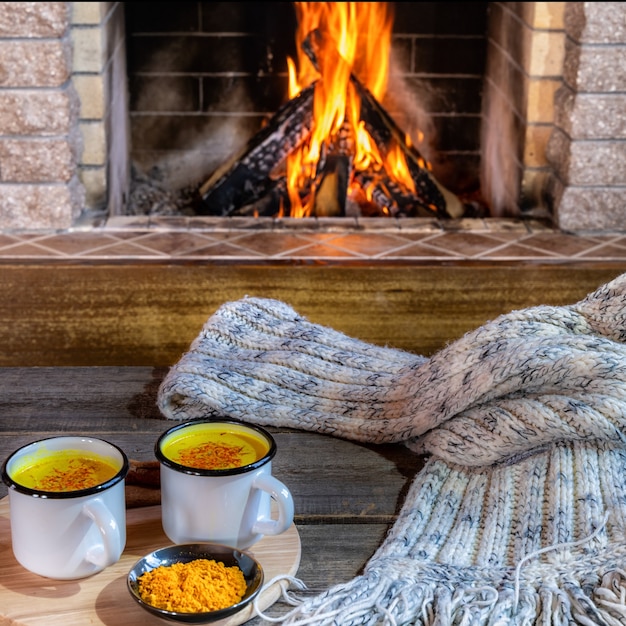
column 149, row 195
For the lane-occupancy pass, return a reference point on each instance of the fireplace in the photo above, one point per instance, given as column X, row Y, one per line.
column 189, row 111
column 546, row 137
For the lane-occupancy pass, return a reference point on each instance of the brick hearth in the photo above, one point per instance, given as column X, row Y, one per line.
column 341, row 241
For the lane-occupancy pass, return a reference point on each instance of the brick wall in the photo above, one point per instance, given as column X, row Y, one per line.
column 99, row 76
column 555, row 143
column 588, row 148
column 62, row 85
column 39, row 142
column 525, row 60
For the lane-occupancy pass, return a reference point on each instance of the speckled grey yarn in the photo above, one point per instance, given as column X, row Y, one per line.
column 518, row 517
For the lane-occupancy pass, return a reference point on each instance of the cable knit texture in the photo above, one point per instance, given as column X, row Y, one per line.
column 518, row 517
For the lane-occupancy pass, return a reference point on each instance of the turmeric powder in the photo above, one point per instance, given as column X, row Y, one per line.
column 211, row 455
column 199, row 586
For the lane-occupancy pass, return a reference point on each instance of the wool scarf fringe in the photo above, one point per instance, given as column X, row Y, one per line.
column 377, row 599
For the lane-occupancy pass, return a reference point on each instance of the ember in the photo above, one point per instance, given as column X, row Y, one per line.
column 332, row 149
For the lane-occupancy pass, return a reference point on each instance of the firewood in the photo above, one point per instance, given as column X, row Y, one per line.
column 381, row 126
column 245, row 177
column 244, row 184
column 330, row 195
column 271, row 204
column 394, row 199
column 373, row 187
column 434, row 197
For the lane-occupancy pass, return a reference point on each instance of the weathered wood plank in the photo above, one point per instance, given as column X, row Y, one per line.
column 331, row 555
column 331, row 479
column 352, row 544
column 94, row 398
column 148, row 314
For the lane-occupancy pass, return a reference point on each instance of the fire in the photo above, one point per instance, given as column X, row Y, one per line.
column 338, row 42
column 333, row 149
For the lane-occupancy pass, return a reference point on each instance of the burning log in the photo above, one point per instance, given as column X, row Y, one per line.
column 433, row 196
column 375, row 196
column 245, row 178
column 330, row 189
column 331, row 193
column 268, row 204
column 244, row 185
column 303, row 140
column 394, row 200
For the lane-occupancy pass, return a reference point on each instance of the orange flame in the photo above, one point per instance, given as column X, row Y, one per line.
column 395, row 165
column 347, row 39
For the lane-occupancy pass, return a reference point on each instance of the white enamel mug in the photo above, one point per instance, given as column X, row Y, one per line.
column 228, row 506
column 67, row 534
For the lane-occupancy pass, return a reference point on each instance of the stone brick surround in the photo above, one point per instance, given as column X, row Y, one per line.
column 556, row 84
column 63, row 134
column 40, row 143
column 587, row 147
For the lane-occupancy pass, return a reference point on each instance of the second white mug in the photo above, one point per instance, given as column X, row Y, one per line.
column 217, row 484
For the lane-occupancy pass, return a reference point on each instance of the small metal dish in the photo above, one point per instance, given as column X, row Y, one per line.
column 184, row 553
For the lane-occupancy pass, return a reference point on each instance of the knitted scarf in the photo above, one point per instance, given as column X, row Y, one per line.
column 518, row 516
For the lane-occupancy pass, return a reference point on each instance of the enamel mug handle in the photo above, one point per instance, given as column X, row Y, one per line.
column 111, row 548
column 281, row 495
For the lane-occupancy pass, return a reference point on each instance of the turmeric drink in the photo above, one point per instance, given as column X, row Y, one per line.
column 217, row 446
column 64, row 470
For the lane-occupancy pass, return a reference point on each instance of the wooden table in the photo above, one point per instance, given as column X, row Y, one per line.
column 346, row 495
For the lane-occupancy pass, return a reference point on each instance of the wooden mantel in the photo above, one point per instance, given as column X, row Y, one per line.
column 147, row 313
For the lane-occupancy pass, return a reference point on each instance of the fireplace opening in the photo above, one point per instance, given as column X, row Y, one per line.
column 206, row 79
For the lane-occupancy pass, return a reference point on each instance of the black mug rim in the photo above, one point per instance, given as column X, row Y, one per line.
column 60, row 495
column 194, row 471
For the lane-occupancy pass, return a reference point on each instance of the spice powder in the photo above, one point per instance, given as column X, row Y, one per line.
column 214, row 447
column 214, row 456
column 199, row 586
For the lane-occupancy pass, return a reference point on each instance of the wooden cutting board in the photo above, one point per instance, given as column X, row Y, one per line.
column 27, row 599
